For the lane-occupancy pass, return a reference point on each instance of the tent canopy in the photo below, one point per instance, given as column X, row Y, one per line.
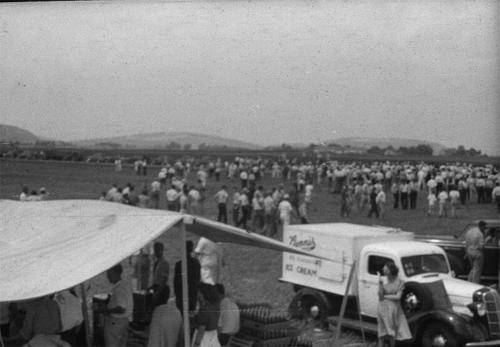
column 49, row 246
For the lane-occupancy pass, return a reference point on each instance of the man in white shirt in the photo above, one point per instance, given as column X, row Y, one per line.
column 454, row 196
column 380, row 200
column 172, row 199
column 442, row 198
column 221, row 200
column 285, row 211
column 119, row 311
column 155, row 194
column 210, row 256
column 236, row 206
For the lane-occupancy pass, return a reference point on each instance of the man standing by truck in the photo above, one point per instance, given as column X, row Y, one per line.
column 474, row 243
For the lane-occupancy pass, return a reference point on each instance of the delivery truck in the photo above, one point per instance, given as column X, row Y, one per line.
column 441, row 310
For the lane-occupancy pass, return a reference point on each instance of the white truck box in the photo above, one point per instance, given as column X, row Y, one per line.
column 341, row 242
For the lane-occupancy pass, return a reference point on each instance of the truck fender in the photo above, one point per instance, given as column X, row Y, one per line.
column 304, row 299
column 462, row 327
column 415, row 299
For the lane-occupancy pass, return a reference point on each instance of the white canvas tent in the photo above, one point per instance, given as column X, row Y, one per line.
column 49, row 246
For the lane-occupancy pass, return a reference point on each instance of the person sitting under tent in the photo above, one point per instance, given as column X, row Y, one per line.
column 166, row 325
column 229, row 319
column 70, row 307
column 37, row 320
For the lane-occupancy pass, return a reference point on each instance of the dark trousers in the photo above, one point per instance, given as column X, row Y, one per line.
column 404, row 201
column 480, row 195
column 413, row 199
column 236, row 215
column 245, row 213
column 373, row 209
column 396, row 200
column 463, row 196
column 222, row 217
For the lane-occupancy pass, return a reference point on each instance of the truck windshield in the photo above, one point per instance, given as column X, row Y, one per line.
column 424, row 263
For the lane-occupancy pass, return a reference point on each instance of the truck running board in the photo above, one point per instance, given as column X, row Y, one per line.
column 370, row 328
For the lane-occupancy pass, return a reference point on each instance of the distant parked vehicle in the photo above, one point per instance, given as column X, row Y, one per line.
column 454, row 246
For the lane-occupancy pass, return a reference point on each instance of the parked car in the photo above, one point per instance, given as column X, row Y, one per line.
column 454, row 246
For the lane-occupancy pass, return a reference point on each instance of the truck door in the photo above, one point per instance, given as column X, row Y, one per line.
column 368, row 283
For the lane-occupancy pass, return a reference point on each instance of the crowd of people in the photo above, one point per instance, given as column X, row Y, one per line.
column 370, row 189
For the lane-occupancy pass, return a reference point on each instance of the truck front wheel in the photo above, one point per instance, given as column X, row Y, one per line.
column 438, row 335
column 304, row 300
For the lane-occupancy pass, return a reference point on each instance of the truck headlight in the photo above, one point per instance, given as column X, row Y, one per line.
column 477, row 308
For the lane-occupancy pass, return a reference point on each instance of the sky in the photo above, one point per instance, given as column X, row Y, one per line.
column 265, row 72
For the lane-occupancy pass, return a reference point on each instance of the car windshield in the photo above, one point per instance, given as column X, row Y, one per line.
column 424, row 263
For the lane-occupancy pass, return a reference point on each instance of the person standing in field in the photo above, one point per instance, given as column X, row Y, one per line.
column 221, row 200
column 172, row 196
column 373, row 204
column 381, row 199
column 236, row 206
column 403, row 193
column 304, row 219
column 345, row 201
column 431, row 201
column 285, row 211
column 495, row 195
column 154, row 198
column 413, row 186
column 245, row 208
column 395, row 194
column 269, row 215
column 194, row 198
column 443, row 199
column 454, row 195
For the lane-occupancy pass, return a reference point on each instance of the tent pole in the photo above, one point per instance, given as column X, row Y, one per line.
column 85, row 314
column 185, row 308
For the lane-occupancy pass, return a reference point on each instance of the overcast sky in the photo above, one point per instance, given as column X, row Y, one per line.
column 267, row 72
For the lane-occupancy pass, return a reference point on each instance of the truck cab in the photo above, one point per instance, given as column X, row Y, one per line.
column 418, row 263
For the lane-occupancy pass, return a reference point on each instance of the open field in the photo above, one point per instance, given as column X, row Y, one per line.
column 250, row 274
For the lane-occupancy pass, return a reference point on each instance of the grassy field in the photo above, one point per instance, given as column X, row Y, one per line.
column 250, row 274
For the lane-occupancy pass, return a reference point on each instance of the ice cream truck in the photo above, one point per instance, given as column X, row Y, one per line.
column 441, row 310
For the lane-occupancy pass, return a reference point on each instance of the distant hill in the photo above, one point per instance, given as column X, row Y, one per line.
column 164, row 139
column 10, row 133
column 365, row 143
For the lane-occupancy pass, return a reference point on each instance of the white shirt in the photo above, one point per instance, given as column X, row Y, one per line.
column 285, row 209
column 172, row 194
column 70, row 307
column 122, row 296
column 443, row 196
column 229, row 319
column 380, row 199
column 221, row 197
